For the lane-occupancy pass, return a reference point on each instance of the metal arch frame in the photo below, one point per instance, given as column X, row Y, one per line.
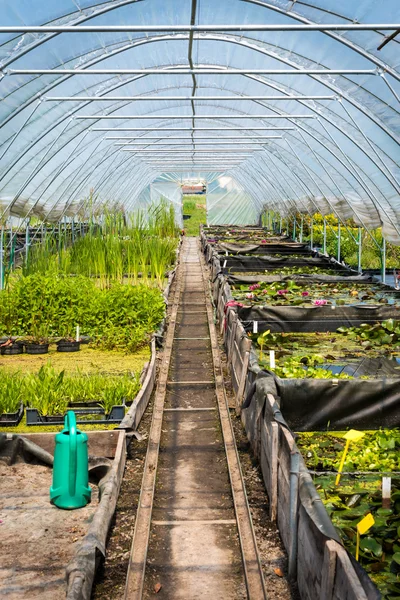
column 217, row 39
column 362, row 51
column 232, row 39
column 322, row 115
column 227, row 39
column 196, row 28
column 144, row 117
column 114, row 5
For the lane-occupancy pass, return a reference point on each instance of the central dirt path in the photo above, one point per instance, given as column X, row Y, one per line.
column 193, row 535
column 194, row 549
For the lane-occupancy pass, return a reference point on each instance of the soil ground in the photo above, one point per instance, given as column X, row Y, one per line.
column 37, row 539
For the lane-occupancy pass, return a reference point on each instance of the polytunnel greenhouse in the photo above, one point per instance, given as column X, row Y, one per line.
column 199, row 300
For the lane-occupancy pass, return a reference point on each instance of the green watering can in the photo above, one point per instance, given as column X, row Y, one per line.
column 70, row 487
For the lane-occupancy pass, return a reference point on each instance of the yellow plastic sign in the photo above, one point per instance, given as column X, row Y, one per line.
column 365, row 524
column 353, row 435
column 362, row 527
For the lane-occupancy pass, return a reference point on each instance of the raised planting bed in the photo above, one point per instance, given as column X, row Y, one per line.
column 274, row 248
column 314, row 293
column 307, row 306
column 287, row 272
column 358, row 494
column 46, row 552
column 245, row 264
column 317, row 558
column 325, row 355
column 327, row 379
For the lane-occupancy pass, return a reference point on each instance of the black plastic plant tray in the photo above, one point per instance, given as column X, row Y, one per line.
column 33, row 417
column 12, row 419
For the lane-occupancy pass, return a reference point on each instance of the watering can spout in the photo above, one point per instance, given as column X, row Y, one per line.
column 70, row 488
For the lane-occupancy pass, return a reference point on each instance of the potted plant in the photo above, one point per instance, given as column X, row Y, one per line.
column 39, row 341
column 11, row 347
column 69, row 343
column 11, row 399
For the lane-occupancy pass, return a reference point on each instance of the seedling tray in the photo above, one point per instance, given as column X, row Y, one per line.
column 33, row 416
column 12, row 419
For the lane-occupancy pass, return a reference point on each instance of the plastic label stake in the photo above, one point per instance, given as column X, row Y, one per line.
column 255, row 326
column 272, row 359
column 362, row 527
column 351, row 436
column 224, row 265
column 386, row 491
column 77, row 333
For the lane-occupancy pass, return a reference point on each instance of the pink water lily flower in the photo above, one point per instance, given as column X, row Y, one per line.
column 255, row 286
column 305, row 293
column 320, row 302
column 282, row 292
column 263, row 241
column 250, row 296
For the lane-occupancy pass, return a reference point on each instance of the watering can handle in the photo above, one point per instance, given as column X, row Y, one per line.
column 70, row 423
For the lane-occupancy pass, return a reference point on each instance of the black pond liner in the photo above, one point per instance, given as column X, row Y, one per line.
column 264, row 249
column 81, row 409
column 336, row 404
column 13, row 349
column 263, row 263
column 37, row 348
column 12, row 419
column 296, row 319
column 255, row 405
column 68, row 346
column 304, row 279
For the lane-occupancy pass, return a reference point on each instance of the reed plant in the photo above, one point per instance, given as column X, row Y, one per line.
column 11, row 392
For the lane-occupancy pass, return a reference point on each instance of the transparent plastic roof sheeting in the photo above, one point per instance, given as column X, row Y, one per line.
column 229, row 203
column 343, row 159
column 162, row 189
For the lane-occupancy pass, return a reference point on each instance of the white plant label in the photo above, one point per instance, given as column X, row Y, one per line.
column 255, row 326
column 386, row 491
column 272, row 359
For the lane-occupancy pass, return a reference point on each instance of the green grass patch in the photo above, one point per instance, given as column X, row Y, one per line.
column 195, row 207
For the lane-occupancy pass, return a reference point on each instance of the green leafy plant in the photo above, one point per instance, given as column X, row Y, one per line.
column 45, row 391
column 11, row 392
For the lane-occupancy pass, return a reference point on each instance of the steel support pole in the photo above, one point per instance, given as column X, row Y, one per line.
column 359, row 251
column 27, row 242
column 171, row 98
column 186, row 71
column 199, row 28
column 145, row 117
column 339, row 241
column 2, row 258
column 162, row 129
column 324, row 241
column 383, row 253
